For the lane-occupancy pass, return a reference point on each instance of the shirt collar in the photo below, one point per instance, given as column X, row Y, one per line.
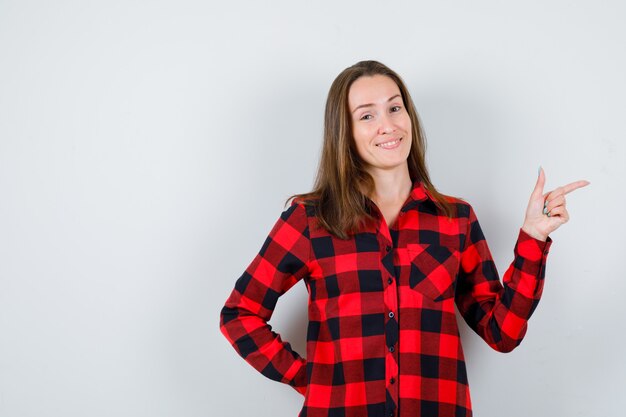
column 418, row 194
column 419, row 191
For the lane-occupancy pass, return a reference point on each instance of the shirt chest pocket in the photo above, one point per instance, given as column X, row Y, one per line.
column 434, row 269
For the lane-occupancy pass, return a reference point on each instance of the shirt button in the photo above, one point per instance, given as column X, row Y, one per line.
column 390, row 281
column 388, row 248
column 392, row 380
column 391, row 315
column 391, row 349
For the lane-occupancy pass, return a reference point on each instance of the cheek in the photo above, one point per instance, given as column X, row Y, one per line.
column 406, row 123
column 362, row 135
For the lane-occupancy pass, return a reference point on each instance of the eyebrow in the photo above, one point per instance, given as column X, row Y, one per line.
column 371, row 104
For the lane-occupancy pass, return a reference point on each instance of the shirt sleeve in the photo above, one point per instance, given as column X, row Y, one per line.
column 499, row 312
column 281, row 262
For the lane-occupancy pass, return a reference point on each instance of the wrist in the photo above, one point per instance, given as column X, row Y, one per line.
column 534, row 233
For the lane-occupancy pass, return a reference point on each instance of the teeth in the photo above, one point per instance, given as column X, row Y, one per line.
column 388, row 144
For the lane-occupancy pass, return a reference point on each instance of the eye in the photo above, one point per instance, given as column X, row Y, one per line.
column 395, row 109
column 366, row 117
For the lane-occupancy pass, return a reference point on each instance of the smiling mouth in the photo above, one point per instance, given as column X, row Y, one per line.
column 389, row 145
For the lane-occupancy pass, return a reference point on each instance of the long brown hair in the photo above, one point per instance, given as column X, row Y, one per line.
column 342, row 184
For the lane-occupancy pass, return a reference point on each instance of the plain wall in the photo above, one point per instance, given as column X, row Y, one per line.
column 147, row 147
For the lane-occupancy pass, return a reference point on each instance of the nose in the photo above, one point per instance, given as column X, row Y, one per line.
column 386, row 125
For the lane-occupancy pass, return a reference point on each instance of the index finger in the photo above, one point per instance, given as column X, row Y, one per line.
column 574, row 185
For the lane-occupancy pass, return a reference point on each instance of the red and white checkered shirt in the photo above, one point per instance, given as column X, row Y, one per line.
column 382, row 337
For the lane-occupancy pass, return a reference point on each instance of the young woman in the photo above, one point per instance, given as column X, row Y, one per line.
column 385, row 258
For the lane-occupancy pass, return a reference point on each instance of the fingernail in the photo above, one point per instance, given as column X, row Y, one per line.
column 545, row 210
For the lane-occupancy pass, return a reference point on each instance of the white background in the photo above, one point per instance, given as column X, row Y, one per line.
column 147, row 147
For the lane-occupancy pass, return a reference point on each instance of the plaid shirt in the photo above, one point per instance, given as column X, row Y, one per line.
column 382, row 336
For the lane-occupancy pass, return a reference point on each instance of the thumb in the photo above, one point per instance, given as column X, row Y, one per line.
column 541, row 180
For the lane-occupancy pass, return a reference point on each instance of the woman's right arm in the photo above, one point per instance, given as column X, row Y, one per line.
column 281, row 262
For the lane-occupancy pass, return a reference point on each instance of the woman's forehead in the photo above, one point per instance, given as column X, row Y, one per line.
column 376, row 89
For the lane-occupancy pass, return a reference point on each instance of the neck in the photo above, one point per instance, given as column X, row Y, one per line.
column 391, row 186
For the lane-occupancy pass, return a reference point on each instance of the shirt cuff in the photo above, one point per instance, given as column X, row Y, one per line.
column 532, row 248
column 299, row 381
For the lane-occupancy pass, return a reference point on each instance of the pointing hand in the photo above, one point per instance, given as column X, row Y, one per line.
column 546, row 212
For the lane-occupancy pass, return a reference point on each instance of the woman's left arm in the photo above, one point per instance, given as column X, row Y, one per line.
column 499, row 311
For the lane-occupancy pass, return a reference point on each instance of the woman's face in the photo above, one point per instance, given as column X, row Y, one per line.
column 381, row 126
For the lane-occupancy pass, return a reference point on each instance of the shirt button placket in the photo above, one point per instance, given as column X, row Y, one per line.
column 391, row 327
